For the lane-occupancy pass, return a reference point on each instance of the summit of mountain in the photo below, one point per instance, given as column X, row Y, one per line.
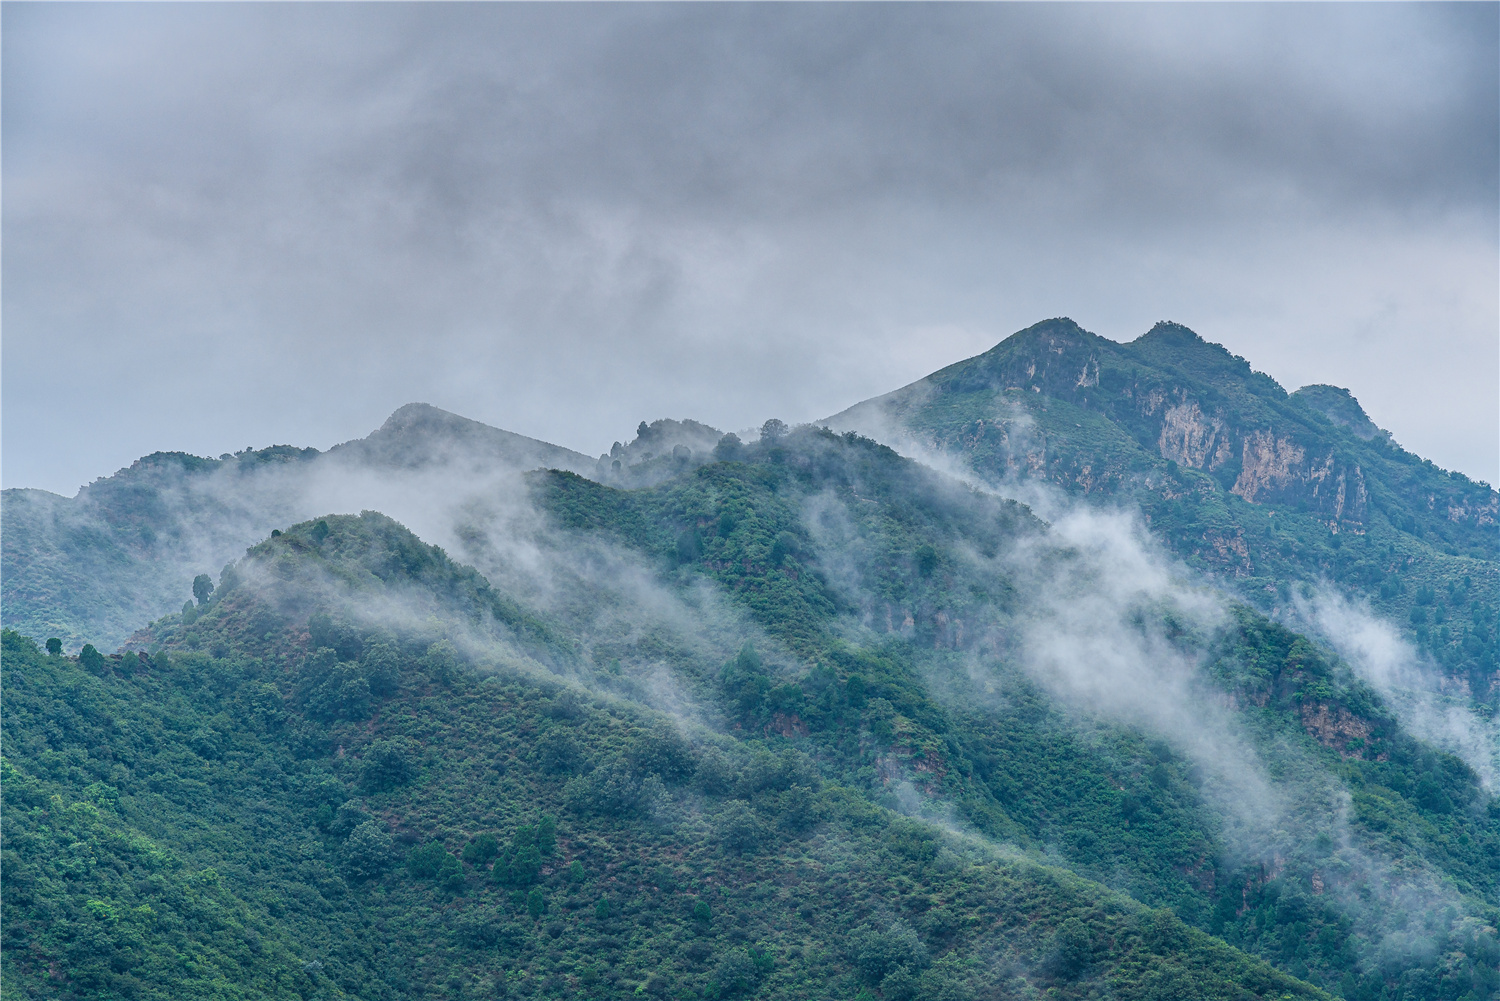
column 1341, row 408
column 419, row 434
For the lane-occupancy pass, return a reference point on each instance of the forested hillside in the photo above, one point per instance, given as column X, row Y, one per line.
column 802, row 719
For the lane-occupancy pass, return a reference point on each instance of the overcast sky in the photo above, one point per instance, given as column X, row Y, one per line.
column 239, row 225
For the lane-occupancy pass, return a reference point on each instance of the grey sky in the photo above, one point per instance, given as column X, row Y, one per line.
column 232, row 225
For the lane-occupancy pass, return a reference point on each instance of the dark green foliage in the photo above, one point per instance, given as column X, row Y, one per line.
column 368, row 851
column 482, row 850
column 1070, row 951
column 54, row 647
column 426, row 861
column 878, row 952
column 738, row 828
column 203, row 587
column 386, row 765
column 736, row 974
column 91, row 660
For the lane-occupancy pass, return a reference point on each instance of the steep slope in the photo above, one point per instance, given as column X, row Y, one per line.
column 725, row 690
column 1263, row 488
column 126, row 549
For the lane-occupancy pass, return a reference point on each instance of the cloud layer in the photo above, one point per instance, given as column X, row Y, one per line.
column 232, row 225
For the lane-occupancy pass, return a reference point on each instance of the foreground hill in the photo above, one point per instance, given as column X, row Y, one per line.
column 1263, row 488
column 799, row 721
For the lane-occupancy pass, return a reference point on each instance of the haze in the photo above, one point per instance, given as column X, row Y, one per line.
column 233, row 225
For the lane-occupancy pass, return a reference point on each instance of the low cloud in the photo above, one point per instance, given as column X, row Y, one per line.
column 1433, row 706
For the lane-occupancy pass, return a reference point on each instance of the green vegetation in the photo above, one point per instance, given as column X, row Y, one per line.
column 287, row 796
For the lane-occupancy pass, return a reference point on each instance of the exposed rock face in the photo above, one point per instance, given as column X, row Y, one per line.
column 1269, row 463
column 1336, row 727
column 1189, row 438
column 1276, row 468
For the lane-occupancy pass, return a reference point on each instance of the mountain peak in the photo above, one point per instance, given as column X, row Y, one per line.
column 1339, row 406
column 1172, row 329
column 1168, row 337
column 416, row 415
column 419, row 433
column 1057, row 326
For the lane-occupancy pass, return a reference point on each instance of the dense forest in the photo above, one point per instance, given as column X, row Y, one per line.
column 791, row 718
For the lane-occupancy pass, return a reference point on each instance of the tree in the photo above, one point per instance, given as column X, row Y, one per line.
column 441, row 661
column 387, row 764
column 368, row 851
column 546, row 836
column 729, row 449
column 481, row 850
column 54, row 646
column 736, row 973
column 1071, row 950
column 450, row 874
column 382, row 663
column 424, row 862
column 91, row 660
column 738, row 828
column 558, row 753
column 203, row 588
column 878, row 953
column 772, row 430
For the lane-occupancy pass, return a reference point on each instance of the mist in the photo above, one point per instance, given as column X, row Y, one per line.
column 1433, row 706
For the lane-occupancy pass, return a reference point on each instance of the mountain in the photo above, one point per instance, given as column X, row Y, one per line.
column 1264, row 489
column 93, row 567
column 787, row 718
column 418, row 435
